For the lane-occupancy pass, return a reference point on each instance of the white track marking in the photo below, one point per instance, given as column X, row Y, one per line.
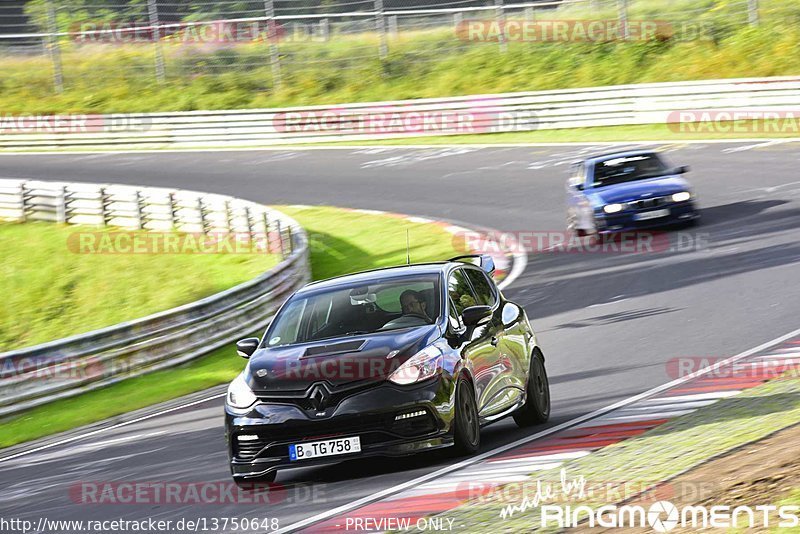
column 596, row 415
column 106, row 429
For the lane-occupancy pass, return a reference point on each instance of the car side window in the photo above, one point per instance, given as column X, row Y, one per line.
column 484, row 290
column 460, row 291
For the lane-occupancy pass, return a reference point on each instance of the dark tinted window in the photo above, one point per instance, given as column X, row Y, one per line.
column 482, row 286
column 626, row 169
column 460, row 292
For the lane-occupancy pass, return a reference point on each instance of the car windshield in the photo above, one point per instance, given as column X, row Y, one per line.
column 362, row 308
column 628, row 169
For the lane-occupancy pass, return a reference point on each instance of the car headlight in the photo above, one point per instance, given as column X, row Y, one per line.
column 239, row 393
column 683, row 196
column 612, row 208
column 424, row 364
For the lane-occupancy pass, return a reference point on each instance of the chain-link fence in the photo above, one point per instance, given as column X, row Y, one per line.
column 66, row 41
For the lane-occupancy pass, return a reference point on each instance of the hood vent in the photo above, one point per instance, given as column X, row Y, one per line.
column 335, row 348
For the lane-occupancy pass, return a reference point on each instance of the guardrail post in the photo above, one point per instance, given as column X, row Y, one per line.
column 139, row 210
column 393, row 25
column 103, row 206
column 622, row 10
column 380, row 26
column 202, row 213
column 152, row 10
column 23, row 216
column 61, row 205
column 500, row 16
column 272, row 39
column 249, row 223
column 173, row 211
column 228, row 217
column 53, row 49
column 752, row 12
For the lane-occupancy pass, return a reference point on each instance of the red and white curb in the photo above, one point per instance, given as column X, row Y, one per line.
column 508, row 265
column 436, row 494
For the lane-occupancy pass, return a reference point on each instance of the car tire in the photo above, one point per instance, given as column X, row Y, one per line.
column 467, row 430
column 255, row 484
column 536, row 409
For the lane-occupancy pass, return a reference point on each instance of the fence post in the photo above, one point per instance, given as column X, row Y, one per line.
column 265, row 218
column 272, row 39
column 622, row 8
column 324, row 30
column 380, row 26
column 458, row 19
column 280, row 236
column 530, row 14
column 53, row 49
column 152, row 9
column 393, row 25
column 500, row 17
column 752, row 12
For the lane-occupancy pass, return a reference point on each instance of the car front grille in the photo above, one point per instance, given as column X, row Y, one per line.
column 648, row 203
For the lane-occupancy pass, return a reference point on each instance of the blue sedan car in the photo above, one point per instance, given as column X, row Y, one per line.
column 627, row 191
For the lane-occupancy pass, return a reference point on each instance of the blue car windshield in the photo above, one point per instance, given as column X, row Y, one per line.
column 365, row 307
column 628, row 169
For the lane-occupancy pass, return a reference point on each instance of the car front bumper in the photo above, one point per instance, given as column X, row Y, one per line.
column 625, row 221
column 370, row 414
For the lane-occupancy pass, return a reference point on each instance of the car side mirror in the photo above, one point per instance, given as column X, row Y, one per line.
column 246, row 347
column 681, row 169
column 476, row 315
column 579, row 187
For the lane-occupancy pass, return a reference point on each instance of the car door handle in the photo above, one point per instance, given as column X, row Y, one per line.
column 495, row 341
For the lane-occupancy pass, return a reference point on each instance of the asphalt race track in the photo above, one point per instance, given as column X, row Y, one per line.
column 608, row 322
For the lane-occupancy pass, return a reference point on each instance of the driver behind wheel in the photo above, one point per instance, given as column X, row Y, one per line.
column 413, row 303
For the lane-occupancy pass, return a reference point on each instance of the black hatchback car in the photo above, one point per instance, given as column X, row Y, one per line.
column 385, row 362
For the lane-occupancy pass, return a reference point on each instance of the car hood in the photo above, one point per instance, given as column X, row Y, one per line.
column 337, row 361
column 651, row 187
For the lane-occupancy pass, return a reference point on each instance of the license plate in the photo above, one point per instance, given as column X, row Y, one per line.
column 655, row 214
column 328, row 447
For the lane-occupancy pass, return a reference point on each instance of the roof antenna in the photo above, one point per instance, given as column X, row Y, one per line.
column 408, row 249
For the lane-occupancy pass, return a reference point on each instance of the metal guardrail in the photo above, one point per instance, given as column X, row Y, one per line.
column 70, row 366
column 656, row 103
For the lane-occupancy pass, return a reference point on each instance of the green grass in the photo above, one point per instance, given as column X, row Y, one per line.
column 51, row 292
column 656, row 455
column 341, row 241
column 119, row 78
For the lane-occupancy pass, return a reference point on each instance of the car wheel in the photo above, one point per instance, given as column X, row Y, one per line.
column 467, row 431
column 536, row 409
column 256, row 484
